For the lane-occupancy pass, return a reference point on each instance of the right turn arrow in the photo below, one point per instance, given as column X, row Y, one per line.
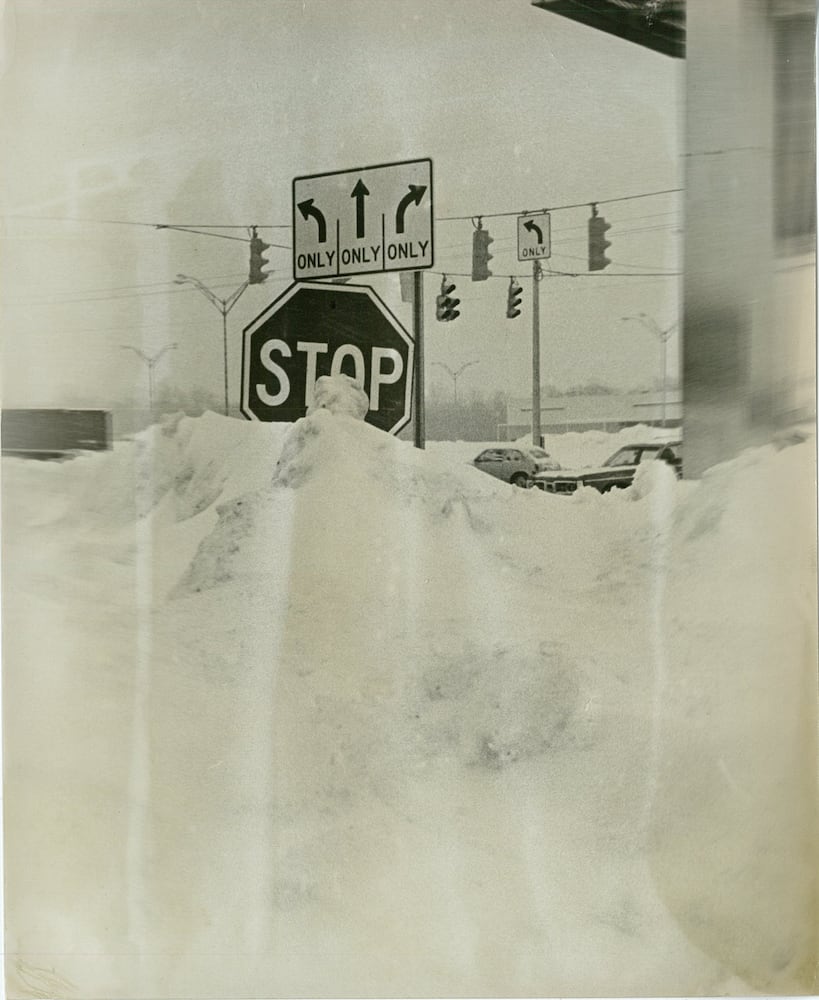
column 416, row 193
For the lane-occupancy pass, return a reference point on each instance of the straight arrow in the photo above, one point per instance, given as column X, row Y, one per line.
column 307, row 208
column 534, row 229
column 359, row 192
column 416, row 193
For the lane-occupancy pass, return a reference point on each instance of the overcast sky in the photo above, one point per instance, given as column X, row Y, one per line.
column 202, row 112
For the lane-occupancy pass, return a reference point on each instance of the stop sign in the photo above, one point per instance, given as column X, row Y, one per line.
column 315, row 329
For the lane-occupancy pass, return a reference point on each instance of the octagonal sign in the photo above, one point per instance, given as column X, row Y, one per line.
column 316, row 329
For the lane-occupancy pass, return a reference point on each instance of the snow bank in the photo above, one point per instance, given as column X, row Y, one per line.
column 302, row 710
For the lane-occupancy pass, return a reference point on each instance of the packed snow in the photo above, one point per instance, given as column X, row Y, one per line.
column 300, row 710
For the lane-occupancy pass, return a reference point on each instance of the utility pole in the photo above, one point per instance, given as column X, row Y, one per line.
column 455, row 375
column 663, row 336
column 151, row 362
column 224, row 306
column 537, row 276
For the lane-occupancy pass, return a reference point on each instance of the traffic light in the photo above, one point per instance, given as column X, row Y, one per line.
column 480, row 254
column 513, row 299
column 445, row 305
column 598, row 244
column 257, row 261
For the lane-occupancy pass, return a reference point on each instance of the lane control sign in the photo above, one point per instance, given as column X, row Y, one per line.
column 363, row 221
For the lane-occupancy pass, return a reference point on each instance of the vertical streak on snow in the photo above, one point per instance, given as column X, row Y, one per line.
column 139, row 779
column 660, row 501
column 259, row 851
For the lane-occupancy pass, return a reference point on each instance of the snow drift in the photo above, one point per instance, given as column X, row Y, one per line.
column 305, row 711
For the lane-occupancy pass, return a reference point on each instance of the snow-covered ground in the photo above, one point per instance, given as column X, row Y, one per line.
column 301, row 710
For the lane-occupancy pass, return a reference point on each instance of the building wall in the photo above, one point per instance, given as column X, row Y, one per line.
column 603, row 412
column 747, row 317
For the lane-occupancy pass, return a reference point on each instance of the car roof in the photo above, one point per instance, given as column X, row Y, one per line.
column 652, row 444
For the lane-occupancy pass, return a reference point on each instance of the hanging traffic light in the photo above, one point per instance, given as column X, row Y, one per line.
column 257, row 274
column 480, row 253
column 445, row 306
column 513, row 299
column 598, row 244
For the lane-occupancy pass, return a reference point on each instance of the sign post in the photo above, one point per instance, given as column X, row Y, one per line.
column 537, row 274
column 418, row 334
column 316, row 329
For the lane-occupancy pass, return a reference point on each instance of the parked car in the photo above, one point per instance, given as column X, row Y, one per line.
column 616, row 472
column 515, row 465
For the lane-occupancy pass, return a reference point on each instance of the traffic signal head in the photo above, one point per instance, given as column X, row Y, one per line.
column 257, row 274
column 513, row 299
column 598, row 244
column 481, row 255
column 445, row 305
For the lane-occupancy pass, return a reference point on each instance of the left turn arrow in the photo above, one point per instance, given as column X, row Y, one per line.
column 307, row 208
column 533, row 228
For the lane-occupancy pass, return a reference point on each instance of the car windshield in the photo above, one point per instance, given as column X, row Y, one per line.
column 538, row 453
column 625, row 456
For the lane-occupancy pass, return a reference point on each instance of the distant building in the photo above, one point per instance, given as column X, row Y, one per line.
column 605, row 412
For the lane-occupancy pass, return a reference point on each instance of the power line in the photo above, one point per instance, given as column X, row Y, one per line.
column 550, row 273
column 127, row 288
column 617, row 263
column 198, row 228
column 555, row 208
column 114, row 298
column 150, row 225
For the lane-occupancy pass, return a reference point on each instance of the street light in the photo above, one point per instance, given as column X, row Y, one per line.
column 455, row 375
column 223, row 305
column 151, row 361
column 663, row 336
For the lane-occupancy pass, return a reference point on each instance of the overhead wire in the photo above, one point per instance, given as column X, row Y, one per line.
column 199, row 228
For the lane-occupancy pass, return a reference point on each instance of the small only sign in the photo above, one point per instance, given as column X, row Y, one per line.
column 534, row 236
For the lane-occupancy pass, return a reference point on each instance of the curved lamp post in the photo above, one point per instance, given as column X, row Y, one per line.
column 455, row 375
column 151, row 361
column 663, row 336
column 224, row 306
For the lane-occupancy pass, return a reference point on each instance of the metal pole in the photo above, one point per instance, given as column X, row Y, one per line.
column 418, row 334
column 225, row 350
column 664, row 342
column 224, row 306
column 536, row 353
column 151, row 387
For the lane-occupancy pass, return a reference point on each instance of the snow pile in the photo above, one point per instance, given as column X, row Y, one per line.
column 339, row 394
column 305, row 711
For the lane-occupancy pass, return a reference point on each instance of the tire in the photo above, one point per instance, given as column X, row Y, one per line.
column 520, row 479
